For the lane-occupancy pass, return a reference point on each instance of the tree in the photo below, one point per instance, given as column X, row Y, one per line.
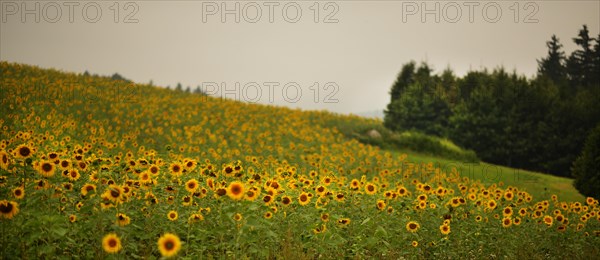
column 179, row 88
column 586, row 169
column 405, row 78
column 553, row 66
column 418, row 103
column 580, row 64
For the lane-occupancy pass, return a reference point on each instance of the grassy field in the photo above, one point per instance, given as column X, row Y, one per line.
column 99, row 168
column 538, row 184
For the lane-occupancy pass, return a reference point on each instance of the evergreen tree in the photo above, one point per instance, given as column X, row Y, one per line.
column 405, row 78
column 580, row 64
column 553, row 66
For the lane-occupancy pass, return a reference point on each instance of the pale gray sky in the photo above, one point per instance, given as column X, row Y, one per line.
column 361, row 53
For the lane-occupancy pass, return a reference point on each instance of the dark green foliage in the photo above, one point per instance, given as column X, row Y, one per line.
column 586, row 169
column 418, row 105
column 553, row 66
column 537, row 124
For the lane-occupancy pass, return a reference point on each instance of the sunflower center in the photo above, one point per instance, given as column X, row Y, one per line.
column 112, row 243
column 6, row 208
column 114, row 193
column 24, row 151
column 169, row 245
column 46, row 167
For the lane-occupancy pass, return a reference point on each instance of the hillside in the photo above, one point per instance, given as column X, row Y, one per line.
column 88, row 158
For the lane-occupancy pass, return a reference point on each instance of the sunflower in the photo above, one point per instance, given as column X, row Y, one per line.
column 72, row 218
column 268, row 199
column 402, row 191
column 194, row 218
column 187, row 200
column 412, row 226
column 175, row 169
column 65, row 164
column 111, row 243
column 414, row 243
column 339, row 197
column 506, row 222
column 354, row 184
column 491, row 204
column 380, row 205
column 303, row 199
column 144, row 177
column 4, row 161
column 123, row 220
column 237, row 217
column 18, row 192
column 73, row 175
column 191, row 186
column 507, row 212
column 508, row 195
column 251, row 194
column 172, row 215
column 548, row 220
column 320, row 189
column 517, row 221
column 235, row 190
column 343, row 222
column 445, row 229
column 286, row 200
column 478, row 218
column 522, row 212
column 24, row 151
column 228, row 170
column 169, row 244
column 370, row 188
column 79, row 205
column 153, row 170
column 46, row 168
column 268, row 215
column 325, row 217
column 87, row 188
column 114, row 192
column 8, row 209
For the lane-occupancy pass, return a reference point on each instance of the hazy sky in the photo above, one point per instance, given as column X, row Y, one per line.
column 351, row 55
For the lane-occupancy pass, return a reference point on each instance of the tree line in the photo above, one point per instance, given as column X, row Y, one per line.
column 538, row 123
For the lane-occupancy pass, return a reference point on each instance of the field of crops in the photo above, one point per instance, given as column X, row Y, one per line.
column 98, row 168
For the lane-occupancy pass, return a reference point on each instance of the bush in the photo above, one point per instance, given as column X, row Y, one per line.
column 586, row 169
column 419, row 143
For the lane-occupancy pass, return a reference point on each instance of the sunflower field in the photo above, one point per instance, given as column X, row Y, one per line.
column 97, row 168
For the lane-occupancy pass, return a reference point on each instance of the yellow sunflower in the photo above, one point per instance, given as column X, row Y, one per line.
column 235, row 190
column 169, row 244
column 111, row 243
column 412, row 226
column 8, row 209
